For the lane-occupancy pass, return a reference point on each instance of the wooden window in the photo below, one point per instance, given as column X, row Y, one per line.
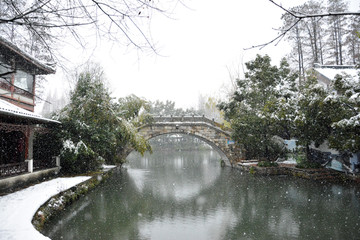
column 24, row 81
column 5, row 75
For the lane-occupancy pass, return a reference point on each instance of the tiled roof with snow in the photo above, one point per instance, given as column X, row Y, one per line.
column 330, row 71
column 9, row 109
column 38, row 66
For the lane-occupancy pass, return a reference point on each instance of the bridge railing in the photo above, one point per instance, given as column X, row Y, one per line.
column 191, row 119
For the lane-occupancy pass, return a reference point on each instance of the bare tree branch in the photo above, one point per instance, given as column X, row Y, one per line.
column 302, row 16
column 277, row 38
column 299, row 17
column 110, row 18
column 278, row 5
column 115, row 22
column 22, row 15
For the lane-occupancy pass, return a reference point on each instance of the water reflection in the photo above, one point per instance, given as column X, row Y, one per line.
column 174, row 179
column 187, row 195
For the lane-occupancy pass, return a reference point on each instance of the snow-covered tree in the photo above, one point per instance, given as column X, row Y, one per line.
column 345, row 135
column 168, row 108
column 285, row 107
column 258, row 110
column 207, row 106
column 336, row 36
column 312, row 119
column 318, row 37
column 95, row 120
column 329, row 114
column 134, row 109
column 352, row 40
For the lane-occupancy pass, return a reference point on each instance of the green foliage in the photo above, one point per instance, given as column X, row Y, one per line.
column 303, row 162
column 268, row 103
column 104, row 126
column 329, row 114
column 252, row 170
column 47, row 145
column 300, row 157
column 345, row 135
column 260, row 109
column 313, row 119
column 308, row 164
column 79, row 159
column 133, row 108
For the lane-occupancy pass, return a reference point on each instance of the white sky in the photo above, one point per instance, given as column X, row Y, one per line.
column 197, row 47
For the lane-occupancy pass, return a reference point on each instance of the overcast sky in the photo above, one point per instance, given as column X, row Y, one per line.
column 197, row 48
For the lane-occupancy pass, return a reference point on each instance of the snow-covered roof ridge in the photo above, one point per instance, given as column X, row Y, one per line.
column 46, row 68
column 318, row 65
column 330, row 71
column 10, row 109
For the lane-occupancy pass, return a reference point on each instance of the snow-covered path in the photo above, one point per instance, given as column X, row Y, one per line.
column 17, row 209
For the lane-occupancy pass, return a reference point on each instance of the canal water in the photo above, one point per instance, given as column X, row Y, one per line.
column 187, row 195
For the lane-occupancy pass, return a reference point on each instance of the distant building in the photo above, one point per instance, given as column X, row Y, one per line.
column 18, row 122
column 326, row 73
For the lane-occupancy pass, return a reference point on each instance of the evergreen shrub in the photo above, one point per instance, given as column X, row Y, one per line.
column 47, row 145
column 79, row 159
column 303, row 162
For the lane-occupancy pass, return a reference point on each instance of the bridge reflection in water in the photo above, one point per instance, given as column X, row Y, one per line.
column 186, row 195
column 209, row 131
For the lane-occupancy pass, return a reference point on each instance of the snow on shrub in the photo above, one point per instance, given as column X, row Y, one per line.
column 78, row 158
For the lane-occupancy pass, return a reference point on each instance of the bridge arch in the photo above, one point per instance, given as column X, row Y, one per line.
column 199, row 127
column 202, row 138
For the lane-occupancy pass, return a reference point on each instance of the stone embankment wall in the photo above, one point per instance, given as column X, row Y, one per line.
column 58, row 202
column 11, row 184
column 321, row 174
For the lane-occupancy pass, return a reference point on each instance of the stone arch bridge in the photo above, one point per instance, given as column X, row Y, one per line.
column 209, row 131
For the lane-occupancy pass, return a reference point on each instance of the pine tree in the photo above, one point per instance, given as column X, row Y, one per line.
column 314, row 33
column 353, row 40
column 306, row 37
column 257, row 111
column 345, row 102
column 329, row 40
column 337, row 25
column 312, row 121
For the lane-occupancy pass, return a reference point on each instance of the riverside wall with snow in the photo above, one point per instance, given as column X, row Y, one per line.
column 318, row 174
column 59, row 201
column 19, row 209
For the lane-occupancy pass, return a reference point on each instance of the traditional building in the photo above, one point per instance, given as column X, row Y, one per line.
column 326, row 73
column 18, row 122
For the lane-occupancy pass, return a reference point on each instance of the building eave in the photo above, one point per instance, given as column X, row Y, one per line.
column 26, row 59
column 11, row 111
column 329, row 72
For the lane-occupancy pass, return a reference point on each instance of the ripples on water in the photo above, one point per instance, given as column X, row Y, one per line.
column 186, row 195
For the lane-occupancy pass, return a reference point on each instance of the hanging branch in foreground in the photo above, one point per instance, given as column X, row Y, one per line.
column 299, row 17
column 116, row 20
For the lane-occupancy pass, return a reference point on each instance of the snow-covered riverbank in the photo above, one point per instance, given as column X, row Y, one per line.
column 17, row 209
